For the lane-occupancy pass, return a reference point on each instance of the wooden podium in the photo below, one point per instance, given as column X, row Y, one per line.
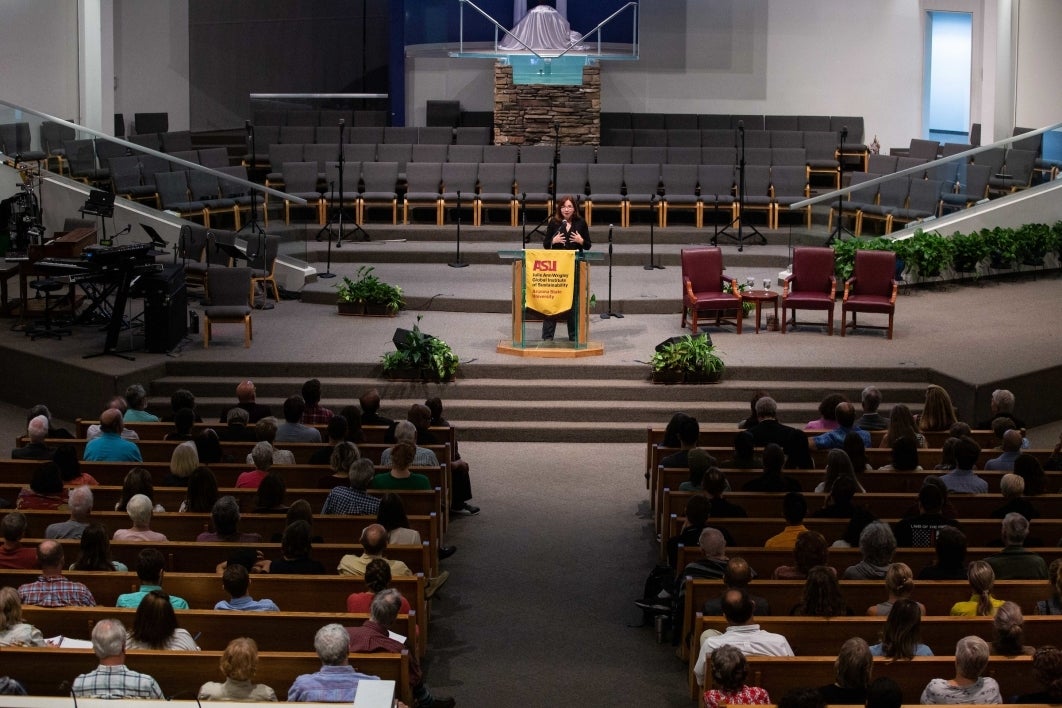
column 520, row 345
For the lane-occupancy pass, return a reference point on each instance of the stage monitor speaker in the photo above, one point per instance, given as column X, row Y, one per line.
column 676, row 340
column 401, row 338
column 165, row 308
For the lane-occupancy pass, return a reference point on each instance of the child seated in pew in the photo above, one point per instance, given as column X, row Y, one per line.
column 236, row 581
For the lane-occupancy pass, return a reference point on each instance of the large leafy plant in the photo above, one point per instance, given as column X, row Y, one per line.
column 427, row 356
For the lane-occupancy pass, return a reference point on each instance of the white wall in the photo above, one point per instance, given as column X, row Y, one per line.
column 1037, row 100
column 38, row 53
column 151, row 59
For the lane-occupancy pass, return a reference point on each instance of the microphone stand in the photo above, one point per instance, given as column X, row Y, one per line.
column 523, row 220
column 253, row 149
column 741, row 201
column 458, row 263
column 837, row 234
column 652, row 238
column 328, row 263
column 610, row 313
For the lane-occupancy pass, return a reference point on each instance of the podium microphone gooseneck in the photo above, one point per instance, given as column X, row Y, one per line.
column 610, row 313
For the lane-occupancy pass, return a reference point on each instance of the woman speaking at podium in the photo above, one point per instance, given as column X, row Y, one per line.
column 566, row 231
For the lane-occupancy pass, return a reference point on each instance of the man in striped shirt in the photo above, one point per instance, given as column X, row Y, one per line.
column 337, row 681
column 112, row 679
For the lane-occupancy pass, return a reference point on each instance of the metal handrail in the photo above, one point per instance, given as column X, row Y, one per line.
column 497, row 26
column 602, row 24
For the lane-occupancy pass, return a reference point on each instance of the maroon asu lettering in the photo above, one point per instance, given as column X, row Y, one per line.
column 550, row 266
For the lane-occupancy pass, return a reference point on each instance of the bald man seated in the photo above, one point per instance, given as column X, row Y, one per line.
column 110, row 446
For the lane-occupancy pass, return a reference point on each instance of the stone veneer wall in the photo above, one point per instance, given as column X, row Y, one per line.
column 525, row 114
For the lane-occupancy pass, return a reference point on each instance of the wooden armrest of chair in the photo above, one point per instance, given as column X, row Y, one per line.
column 895, row 291
column 734, row 288
column 688, row 284
column 833, row 287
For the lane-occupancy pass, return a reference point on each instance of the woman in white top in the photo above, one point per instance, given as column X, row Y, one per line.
column 968, row 686
column 155, row 626
column 238, row 663
column 13, row 631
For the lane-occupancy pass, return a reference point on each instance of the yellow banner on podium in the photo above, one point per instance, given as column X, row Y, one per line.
column 550, row 280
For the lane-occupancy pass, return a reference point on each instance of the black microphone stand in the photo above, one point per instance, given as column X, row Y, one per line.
column 553, row 180
column 523, row 220
column 328, row 262
column 837, row 234
column 458, row 263
column 652, row 237
column 253, row 150
column 610, row 313
column 740, row 240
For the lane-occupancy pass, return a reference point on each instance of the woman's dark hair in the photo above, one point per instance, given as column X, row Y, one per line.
column 671, row 432
column 902, row 633
column 296, row 540
column 377, row 575
column 271, row 491
column 69, row 466
column 392, row 512
column 299, row 511
column 828, row 406
column 95, row 549
column 202, row 490
column 905, row 455
column 810, row 550
column 46, row 480
column 1047, row 667
column 951, row 547
column 183, row 420
column 822, row 594
column 353, row 415
column 137, row 481
column 1028, row 468
column 208, row 445
column 857, row 451
column 155, row 620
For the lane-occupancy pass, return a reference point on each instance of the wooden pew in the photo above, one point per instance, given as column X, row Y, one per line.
column 212, row 629
column 203, row 590
column 180, row 672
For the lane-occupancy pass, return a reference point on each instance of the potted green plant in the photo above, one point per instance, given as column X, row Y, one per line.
column 1034, row 243
column 421, row 357
column 929, row 252
column 690, row 359
column 969, row 251
column 368, row 295
column 746, row 307
column 1002, row 245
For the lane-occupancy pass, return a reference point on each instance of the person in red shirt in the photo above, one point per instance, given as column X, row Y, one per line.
column 262, row 456
column 13, row 555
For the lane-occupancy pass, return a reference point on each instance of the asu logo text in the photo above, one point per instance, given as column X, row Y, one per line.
column 550, row 266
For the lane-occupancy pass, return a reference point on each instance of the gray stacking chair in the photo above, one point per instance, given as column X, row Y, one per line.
column 757, row 192
column 297, row 134
column 820, row 149
column 501, row 153
column 776, row 122
column 176, row 140
column 429, row 152
column 239, row 194
column 680, row 192
column 606, row 191
column 351, row 176
column 278, row 155
column 127, row 181
column 365, row 135
column 789, row 184
column 460, row 177
column 466, row 153
column 434, row 135
column 881, row 164
column 230, row 301
column 857, row 199
column 719, row 156
column 925, row 150
column 423, row 181
column 379, row 180
column 326, row 134
column 789, row 156
column 300, row 180
column 214, row 157
column 923, row 201
column 892, row 197
column 571, row 179
column 472, row 135
column 398, row 153
column 262, row 258
column 205, row 188
column 648, row 155
column 1019, row 171
column 973, row 187
column 718, row 137
column 649, row 137
column 360, row 152
column 717, row 188
column 643, row 185
column 191, row 247
column 532, row 184
column 684, row 155
column 320, row 153
column 577, row 153
column 682, row 137
column 496, row 189
column 537, row 153
column 614, row 154
column 787, row 139
column 401, row 135
column 172, row 188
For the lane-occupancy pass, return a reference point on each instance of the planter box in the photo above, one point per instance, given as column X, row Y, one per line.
column 362, row 309
column 685, row 377
column 351, row 308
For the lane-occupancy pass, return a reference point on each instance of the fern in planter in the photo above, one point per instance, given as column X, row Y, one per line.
column 371, row 291
column 691, row 359
column 423, row 357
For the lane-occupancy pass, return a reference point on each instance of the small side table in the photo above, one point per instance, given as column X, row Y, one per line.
column 758, row 297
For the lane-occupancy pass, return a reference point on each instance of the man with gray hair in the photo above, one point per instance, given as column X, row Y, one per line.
column 337, row 681
column 792, row 441
column 37, row 431
column 406, row 431
column 1012, row 487
column 80, row 501
column 1002, row 406
column 262, row 458
column 139, row 508
column 354, row 499
column 871, row 419
column 112, row 679
column 1015, row 562
column 375, row 636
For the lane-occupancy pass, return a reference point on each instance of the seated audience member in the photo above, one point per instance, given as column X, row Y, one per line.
column 337, row 436
column 13, row 631
column 772, row 479
column 1029, row 469
column 699, row 461
column 155, row 626
column 70, row 467
column 45, row 490
column 136, row 400
column 352, row 414
column 852, row 667
column 834, row 437
column 1015, row 562
column 856, row 449
column 95, row 553
column 375, row 636
column 876, row 545
column 54, row 432
column 1047, row 668
column 1054, row 460
column 270, row 497
column 883, row 692
column 292, row 429
column 809, row 551
column 711, row 566
column 870, row 400
column 246, row 399
column 295, row 549
column 730, row 669
column 938, row 413
column 208, row 446
column 181, row 399
column 183, row 425
column 340, row 458
column 137, row 481
column 239, row 664
column 405, row 431
column 950, row 563
column 696, row 521
column 377, row 578
column 1012, row 487
column 802, row 698
column 742, row 632
column 202, row 492
column 236, row 580
column 856, row 525
column 353, row 499
column 430, row 415
column 51, row 589
column 314, row 413
column 947, row 454
column 237, row 427
column 981, row 603
column 265, row 430
column 183, row 461
column 80, row 501
column 37, row 431
column 794, row 509
column 96, row 429
column 688, row 431
column 298, row 511
column 110, row 446
column 745, row 455
column 226, row 520
column 139, row 510
column 794, row 443
column 400, row 476
column 374, row 545
column 903, row 457
column 821, row 596
column 962, row 479
column 392, row 516
column 922, row 529
column 754, row 417
column 370, row 409
column 902, row 636
column 13, row 554
column 1053, row 604
column 827, row 419
column 899, row 581
column 1001, row 405
column 262, row 459
column 715, row 485
column 738, row 575
column 838, row 466
column 112, row 679
column 1009, row 632
column 1012, row 443
column 968, row 686
column 337, row 681
column 150, row 567
column 840, row 504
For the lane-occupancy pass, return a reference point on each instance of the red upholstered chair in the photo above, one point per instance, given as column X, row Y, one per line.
column 871, row 288
column 811, row 286
column 702, row 287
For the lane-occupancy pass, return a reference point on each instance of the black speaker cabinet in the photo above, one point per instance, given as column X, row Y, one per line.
column 165, row 308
